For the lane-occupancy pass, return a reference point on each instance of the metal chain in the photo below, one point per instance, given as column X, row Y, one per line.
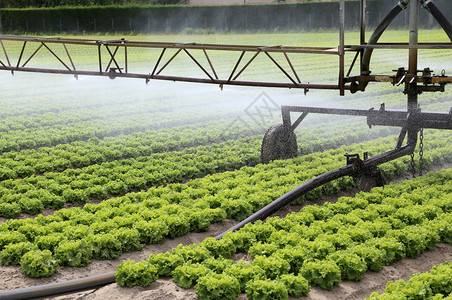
column 421, row 151
column 413, row 168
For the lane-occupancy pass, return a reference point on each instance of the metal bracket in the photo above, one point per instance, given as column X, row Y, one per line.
column 358, row 165
column 112, row 73
column 402, row 4
column 425, row 3
column 352, row 158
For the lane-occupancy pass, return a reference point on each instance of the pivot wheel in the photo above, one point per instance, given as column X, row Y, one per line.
column 279, row 142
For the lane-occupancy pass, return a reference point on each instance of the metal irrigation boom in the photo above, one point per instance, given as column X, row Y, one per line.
column 113, row 61
column 113, row 66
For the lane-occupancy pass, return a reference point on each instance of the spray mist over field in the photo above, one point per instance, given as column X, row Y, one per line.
column 169, row 104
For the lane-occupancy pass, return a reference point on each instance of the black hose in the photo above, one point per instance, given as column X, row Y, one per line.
column 348, row 170
column 293, row 195
column 59, row 288
column 438, row 15
column 365, row 64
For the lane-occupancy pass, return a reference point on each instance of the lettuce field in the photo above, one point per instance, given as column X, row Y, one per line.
column 100, row 176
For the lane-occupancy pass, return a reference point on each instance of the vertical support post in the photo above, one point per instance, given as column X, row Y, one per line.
column 100, row 58
column 6, row 53
column 341, row 46
column 126, row 59
column 21, row 54
column 285, row 111
column 411, row 86
column 363, row 22
column 363, row 29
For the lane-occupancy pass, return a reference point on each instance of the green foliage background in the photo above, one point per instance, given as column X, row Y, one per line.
column 55, row 3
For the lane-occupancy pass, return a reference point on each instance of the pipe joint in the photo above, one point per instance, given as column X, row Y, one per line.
column 426, row 2
column 403, row 4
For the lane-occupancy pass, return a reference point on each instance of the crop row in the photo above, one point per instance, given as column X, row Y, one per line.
column 435, row 284
column 46, row 136
column 95, row 151
column 318, row 246
column 34, row 193
column 88, row 113
column 52, row 99
column 75, row 236
column 18, row 135
column 20, row 164
column 82, row 131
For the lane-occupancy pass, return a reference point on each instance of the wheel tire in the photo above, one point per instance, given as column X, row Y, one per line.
column 279, row 142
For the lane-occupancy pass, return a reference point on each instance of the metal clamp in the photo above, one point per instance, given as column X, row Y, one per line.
column 425, row 3
column 402, row 4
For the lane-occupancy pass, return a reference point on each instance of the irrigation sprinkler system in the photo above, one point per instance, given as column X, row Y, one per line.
column 279, row 142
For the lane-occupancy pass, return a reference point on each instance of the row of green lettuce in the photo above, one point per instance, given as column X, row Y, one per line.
column 96, row 182
column 46, row 136
column 25, row 104
column 25, row 163
column 318, row 246
column 81, row 154
column 435, row 284
column 37, row 132
column 69, row 115
column 104, row 231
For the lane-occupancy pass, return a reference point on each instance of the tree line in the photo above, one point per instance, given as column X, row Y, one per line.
column 56, row 3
